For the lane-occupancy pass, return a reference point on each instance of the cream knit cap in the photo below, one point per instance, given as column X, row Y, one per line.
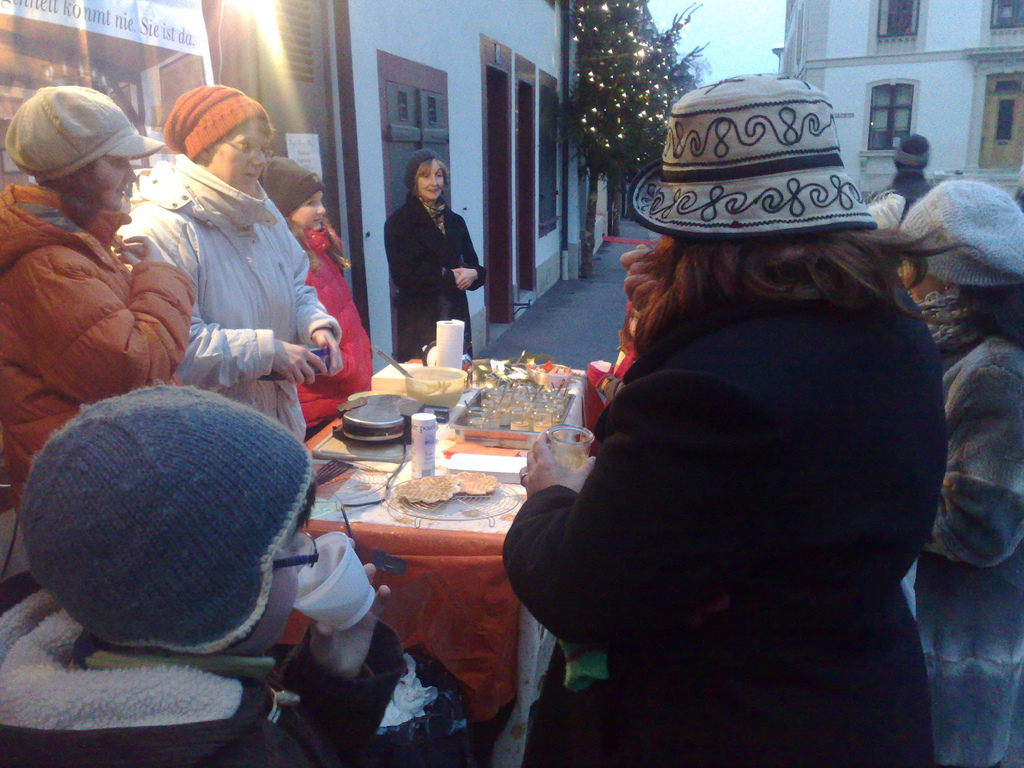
column 64, row 128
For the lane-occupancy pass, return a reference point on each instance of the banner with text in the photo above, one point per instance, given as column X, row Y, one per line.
column 141, row 53
column 174, row 24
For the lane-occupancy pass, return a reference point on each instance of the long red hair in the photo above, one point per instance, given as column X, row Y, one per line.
column 849, row 269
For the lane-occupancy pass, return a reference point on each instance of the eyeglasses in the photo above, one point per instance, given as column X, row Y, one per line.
column 306, row 553
column 251, row 151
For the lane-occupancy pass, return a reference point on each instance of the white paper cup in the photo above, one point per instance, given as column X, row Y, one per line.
column 335, row 589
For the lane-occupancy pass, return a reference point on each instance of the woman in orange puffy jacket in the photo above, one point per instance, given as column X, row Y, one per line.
column 77, row 324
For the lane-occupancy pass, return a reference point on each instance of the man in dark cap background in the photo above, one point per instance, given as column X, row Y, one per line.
column 910, row 160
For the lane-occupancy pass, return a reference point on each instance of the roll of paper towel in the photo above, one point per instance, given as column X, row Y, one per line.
column 450, row 340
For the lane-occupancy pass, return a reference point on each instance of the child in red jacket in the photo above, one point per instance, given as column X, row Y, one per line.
column 298, row 194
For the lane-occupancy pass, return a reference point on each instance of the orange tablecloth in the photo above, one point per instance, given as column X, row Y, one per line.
column 453, row 602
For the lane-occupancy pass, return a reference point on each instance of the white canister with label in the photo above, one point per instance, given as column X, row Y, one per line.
column 424, row 444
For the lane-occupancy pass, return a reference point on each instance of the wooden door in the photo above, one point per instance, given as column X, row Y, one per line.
column 498, row 182
column 413, row 115
column 496, row 74
column 526, row 143
column 1002, row 135
column 415, row 118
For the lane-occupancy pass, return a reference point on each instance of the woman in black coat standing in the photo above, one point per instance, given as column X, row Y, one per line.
column 431, row 258
column 725, row 577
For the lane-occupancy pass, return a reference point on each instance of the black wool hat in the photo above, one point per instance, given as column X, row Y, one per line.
column 419, row 157
column 913, row 151
column 288, row 184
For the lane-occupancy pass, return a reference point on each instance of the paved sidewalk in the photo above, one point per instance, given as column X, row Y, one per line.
column 577, row 321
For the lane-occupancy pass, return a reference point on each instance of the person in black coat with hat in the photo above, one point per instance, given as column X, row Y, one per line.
column 910, row 160
column 431, row 258
column 725, row 577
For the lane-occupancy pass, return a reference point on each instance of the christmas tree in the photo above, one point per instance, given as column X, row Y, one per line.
column 628, row 75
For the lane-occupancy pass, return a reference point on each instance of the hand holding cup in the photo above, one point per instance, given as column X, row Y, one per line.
column 335, row 590
column 343, row 651
column 639, row 281
column 543, row 469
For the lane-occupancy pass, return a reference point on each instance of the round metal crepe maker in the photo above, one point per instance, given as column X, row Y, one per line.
column 377, row 418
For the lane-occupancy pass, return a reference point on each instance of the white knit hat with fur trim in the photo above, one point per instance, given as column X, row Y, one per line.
column 981, row 217
column 750, row 156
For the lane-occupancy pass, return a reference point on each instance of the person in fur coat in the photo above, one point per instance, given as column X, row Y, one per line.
column 970, row 578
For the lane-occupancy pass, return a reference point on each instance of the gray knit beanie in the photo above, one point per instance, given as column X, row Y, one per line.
column 418, row 158
column 153, row 517
column 982, row 218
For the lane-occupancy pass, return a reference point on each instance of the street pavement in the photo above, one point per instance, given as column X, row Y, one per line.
column 578, row 321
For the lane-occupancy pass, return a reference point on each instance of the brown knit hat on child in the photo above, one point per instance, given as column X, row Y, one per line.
column 206, row 115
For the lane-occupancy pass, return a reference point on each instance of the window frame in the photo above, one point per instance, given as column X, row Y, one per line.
column 1004, row 119
column 891, row 109
column 548, row 153
column 884, row 16
column 1017, row 12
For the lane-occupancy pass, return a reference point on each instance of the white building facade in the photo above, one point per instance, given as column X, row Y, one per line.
column 479, row 81
column 353, row 88
column 951, row 70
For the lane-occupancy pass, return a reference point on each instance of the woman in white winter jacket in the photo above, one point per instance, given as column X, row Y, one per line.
column 207, row 213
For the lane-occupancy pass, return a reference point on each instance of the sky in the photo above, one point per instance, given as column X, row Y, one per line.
column 740, row 33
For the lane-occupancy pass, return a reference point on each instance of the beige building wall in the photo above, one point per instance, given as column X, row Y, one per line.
column 953, row 62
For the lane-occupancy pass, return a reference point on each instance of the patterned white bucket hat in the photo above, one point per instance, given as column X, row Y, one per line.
column 750, row 156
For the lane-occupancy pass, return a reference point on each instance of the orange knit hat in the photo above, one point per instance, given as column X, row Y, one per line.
column 205, row 115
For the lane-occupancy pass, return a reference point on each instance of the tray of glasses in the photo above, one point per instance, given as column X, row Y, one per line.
column 512, row 417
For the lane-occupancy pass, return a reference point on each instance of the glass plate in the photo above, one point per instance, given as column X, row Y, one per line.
column 460, row 508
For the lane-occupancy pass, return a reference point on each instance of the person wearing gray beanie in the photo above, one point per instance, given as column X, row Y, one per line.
column 968, row 590
column 910, row 159
column 161, row 531
column 432, row 273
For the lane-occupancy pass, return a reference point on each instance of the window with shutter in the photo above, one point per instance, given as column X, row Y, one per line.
column 293, row 23
column 1007, row 13
column 891, row 110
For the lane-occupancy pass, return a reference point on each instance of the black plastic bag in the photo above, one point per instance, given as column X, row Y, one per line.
column 439, row 738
